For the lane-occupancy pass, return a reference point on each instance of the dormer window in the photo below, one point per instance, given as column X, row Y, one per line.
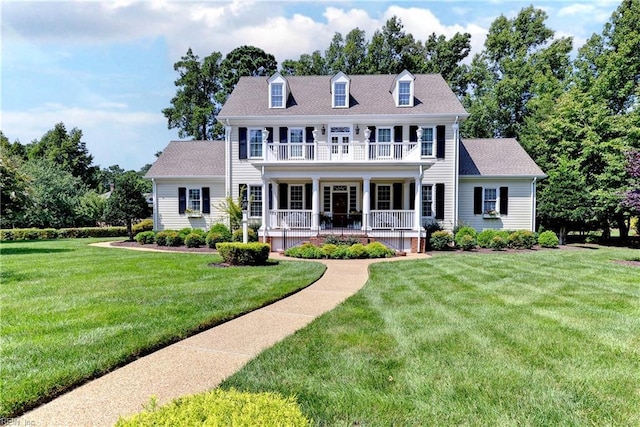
column 278, row 91
column 340, row 90
column 403, row 89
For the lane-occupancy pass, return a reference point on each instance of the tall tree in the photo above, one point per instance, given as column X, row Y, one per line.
column 334, row 55
column 306, row 65
column 67, row 151
column 392, row 50
column 195, row 106
column 445, row 57
column 127, row 202
column 244, row 61
column 15, row 196
column 355, row 52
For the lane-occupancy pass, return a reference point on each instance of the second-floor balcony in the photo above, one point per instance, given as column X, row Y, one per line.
column 343, row 152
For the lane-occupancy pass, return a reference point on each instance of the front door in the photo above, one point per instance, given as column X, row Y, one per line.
column 339, row 209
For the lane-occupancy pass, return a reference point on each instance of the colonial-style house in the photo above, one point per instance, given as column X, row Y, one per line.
column 373, row 156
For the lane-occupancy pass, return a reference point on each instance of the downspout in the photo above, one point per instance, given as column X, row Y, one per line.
column 418, row 209
column 534, row 202
column 227, row 158
column 456, row 169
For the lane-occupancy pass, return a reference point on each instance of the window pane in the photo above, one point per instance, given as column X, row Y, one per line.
column 404, row 93
column 340, row 94
column 427, row 142
column 427, row 200
column 384, row 197
column 276, row 94
column 194, row 199
column 490, row 197
column 255, row 197
column 295, row 135
column 384, row 135
column 255, row 143
column 296, row 197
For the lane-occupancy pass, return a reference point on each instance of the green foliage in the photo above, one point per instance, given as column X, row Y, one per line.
column 358, row 250
column 306, row 250
column 341, row 252
column 244, row 253
column 144, row 225
column 522, row 239
column 91, row 208
column 378, row 250
column 223, row 230
column 329, row 250
column 219, row 233
column 194, row 240
column 161, row 237
column 441, row 240
column 62, row 233
column 146, row 237
column 548, row 239
column 173, row 238
column 251, row 235
column 485, row 237
column 222, row 408
column 341, row 240
column 15, row 195
column 465, row 238
column 498, row 242
column 127, row 202
column 245, row 61
column 185, row 232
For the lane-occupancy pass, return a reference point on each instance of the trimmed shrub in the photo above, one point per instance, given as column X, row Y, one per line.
column 62, row 233
column 466, row 242
column 498, row 243
column 328, row 249
column 144, row 225
column 146, row 237
column 357, row 251
column 183, row 233
column 341, row 252
column 251, row 234
column 441, row 240
column 224, row 231
column 485, row 237
column 174, row 239
column 244, row 254
column 161, row 237
column 213, row 238
column 378, row 250
column 194, row 240
column 522, row 239
column 221, row 408
column 548, row 239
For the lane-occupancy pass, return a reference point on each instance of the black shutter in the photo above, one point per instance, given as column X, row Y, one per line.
column 270, row 137
column 372, row 138
column 308, row 194
column 283, row 135
column 439, row 201
column 412, row 195
column 182, row 200
column 206, row 200
column 372, row 196
column 440, row 129
column 270, row 196
column 397, row 195
column 308, row 134
column 477, row 200
column 397, row 134
column 413, row 133
column 242, row 153
column 504, row 200
column 283, row 195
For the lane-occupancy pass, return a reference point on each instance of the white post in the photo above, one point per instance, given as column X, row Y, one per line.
column 417, row 214
column 315, row 205
column 245, row 227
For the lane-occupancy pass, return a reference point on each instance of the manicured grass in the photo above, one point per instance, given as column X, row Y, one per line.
column 71, row 312
column 532, row 338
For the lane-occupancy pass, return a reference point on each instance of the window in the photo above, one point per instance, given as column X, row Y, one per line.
column 277, row 95
column 296, row 197
column 255, row 143
column 384, row 142
column 490, row 200
column 340, row 94
column 384, row 197
column 426, row 143
column 194, row 202
column 404, row 93
column 427, row 200
column 255, row 200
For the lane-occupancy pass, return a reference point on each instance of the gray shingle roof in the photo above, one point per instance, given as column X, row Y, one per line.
column 370, row 94
column 496, row 157
column 187, row 159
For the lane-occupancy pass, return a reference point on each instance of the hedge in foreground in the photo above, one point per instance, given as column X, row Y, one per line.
column 244, row 253
column 222, row 408
column 62, row 233
column 341, row 251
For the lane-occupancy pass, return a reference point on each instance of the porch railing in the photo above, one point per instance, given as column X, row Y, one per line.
column 376, row 220
column 340, row 152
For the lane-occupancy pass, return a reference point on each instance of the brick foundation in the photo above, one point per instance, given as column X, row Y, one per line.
column 414, row 245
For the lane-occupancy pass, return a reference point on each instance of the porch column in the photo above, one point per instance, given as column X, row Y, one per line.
column 417, row 212
column 315, row 204
column 406, row 187
column 265, row 204
column 366, row 203
column 276, row 198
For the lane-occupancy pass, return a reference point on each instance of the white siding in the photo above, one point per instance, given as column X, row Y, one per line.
column 167, row 204
column 520, row 210
column 243, row 171
column 443, row 172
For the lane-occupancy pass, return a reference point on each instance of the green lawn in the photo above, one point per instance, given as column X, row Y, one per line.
column 70, row 311
column 534, row 338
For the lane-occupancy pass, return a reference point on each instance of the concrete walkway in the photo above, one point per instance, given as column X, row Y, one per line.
column 201, row 362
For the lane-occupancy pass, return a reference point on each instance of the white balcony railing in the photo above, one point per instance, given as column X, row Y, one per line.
column 394, row 219
column 341, row 152
column 290, row 219
column 376, row 220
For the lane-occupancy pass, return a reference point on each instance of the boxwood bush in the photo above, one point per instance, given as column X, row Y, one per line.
column 223, row 230
column 146, row 237
column 378, row 250
column 195, row 239
column 441, row 240
column 222, row 408
column 466, row 238
column 548, row 239
column 498, row 242
column 144, row 225
column 235, row 253
column 62, row 233
column 522, row 239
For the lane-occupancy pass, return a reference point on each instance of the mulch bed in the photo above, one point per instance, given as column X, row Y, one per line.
column 127, row 244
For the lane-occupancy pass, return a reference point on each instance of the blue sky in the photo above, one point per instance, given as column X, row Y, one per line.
column 106, row 67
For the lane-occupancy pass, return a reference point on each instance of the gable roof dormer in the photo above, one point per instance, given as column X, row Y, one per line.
column 340, row 90
column 278, row 91
column 403, row 89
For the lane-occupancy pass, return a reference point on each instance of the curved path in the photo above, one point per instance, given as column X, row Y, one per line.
column 201, row 362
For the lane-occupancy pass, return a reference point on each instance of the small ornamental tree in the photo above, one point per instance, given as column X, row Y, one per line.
column 127, row 202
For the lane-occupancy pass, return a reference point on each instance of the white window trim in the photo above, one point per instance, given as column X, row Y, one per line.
column 302, row 194
column 277, row 78
column 282, row 95
column 432, row 213
column 340, row 78
column 390, row 134
column 405, row 77
column 190, row 210
column 254, row 202
column 249, row 155
column 378, row 187
column 433, row 142
column 485, row 212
